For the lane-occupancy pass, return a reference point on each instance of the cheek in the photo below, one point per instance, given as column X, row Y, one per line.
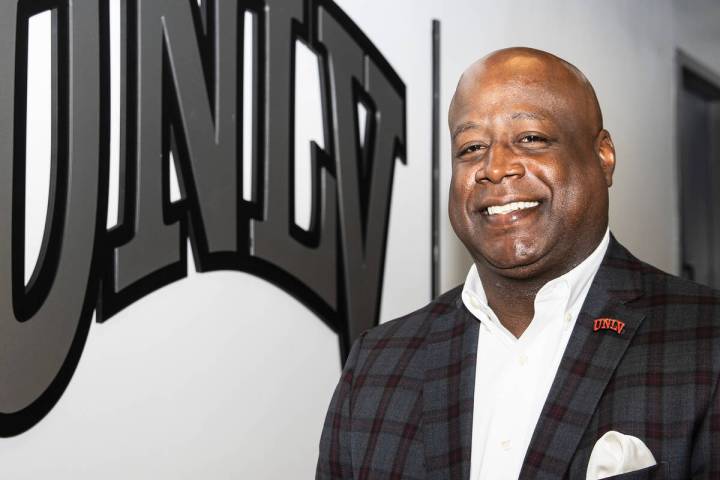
column 461, row 188
column 577, row 196
column 567, row 185
column 462, row 185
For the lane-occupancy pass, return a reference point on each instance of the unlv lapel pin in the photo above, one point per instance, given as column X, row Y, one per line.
column 616, row 326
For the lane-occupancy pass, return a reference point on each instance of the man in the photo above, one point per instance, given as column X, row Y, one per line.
column 562, row 356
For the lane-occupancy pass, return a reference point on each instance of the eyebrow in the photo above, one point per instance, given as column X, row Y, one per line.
column 527, row 116
column 515, row 116
column 463, row 127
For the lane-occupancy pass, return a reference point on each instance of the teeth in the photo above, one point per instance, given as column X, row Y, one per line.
column 510, row 207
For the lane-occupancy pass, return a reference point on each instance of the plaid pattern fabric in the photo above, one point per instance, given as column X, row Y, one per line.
column 403, row 407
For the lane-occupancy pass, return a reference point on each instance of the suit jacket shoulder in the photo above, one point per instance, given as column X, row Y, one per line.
column 412, row 322
column 385, row 404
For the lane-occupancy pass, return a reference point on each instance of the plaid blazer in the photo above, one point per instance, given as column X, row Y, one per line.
column 404, row 404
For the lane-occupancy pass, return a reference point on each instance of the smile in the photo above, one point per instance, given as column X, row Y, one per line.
column 509, row 207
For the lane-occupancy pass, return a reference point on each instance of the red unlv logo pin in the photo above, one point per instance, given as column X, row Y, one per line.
column 608, row 324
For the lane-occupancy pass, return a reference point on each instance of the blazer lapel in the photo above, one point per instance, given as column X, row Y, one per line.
column 448, row 394
column 588, row 364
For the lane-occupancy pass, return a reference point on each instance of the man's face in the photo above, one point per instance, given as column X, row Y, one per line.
column 530, row 172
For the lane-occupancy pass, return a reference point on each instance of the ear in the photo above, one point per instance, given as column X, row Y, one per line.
column 605, row 150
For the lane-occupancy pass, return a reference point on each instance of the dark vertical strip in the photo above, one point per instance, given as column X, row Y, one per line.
column 435, row 208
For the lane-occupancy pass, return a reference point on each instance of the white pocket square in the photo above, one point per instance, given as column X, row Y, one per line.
column 615, row 453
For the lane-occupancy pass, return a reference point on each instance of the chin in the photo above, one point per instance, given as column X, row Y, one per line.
column 520, row 259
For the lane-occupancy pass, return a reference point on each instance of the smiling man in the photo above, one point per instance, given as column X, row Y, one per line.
column 562, row 355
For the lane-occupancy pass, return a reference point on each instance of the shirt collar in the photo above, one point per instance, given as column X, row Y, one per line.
column 571, row 284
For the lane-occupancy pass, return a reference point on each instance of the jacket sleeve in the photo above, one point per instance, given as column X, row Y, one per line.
column 335, row 461
column 705, row 461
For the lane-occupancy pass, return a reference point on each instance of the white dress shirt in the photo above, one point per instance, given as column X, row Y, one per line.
column 513, row 375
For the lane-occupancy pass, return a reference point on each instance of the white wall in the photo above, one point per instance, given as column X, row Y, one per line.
column 222, row 375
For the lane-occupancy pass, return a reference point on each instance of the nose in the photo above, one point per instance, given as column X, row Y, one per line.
column 500, row 163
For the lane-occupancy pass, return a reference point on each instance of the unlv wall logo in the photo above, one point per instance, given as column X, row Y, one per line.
column 181, row 93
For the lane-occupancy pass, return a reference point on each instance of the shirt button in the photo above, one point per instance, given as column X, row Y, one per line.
column 522, row 359
column 506, row 445
column 568, row 317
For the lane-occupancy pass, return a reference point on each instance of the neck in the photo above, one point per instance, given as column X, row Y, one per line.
column 513, row 298
column 513, row 301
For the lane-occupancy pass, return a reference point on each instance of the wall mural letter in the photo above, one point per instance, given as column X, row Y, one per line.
column 170, row 106
column 365, row 180
column 313, row 266
column 42, row 336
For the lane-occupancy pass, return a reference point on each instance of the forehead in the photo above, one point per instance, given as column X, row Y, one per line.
column 528, row 109
column 516, row 87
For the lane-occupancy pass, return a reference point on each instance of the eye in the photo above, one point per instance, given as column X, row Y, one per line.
column 533, row 138
column 475, row 147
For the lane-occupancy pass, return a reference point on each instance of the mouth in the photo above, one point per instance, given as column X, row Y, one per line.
column 507, row 208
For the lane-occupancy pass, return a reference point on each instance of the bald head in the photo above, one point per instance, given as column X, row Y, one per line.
column 530, row 68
